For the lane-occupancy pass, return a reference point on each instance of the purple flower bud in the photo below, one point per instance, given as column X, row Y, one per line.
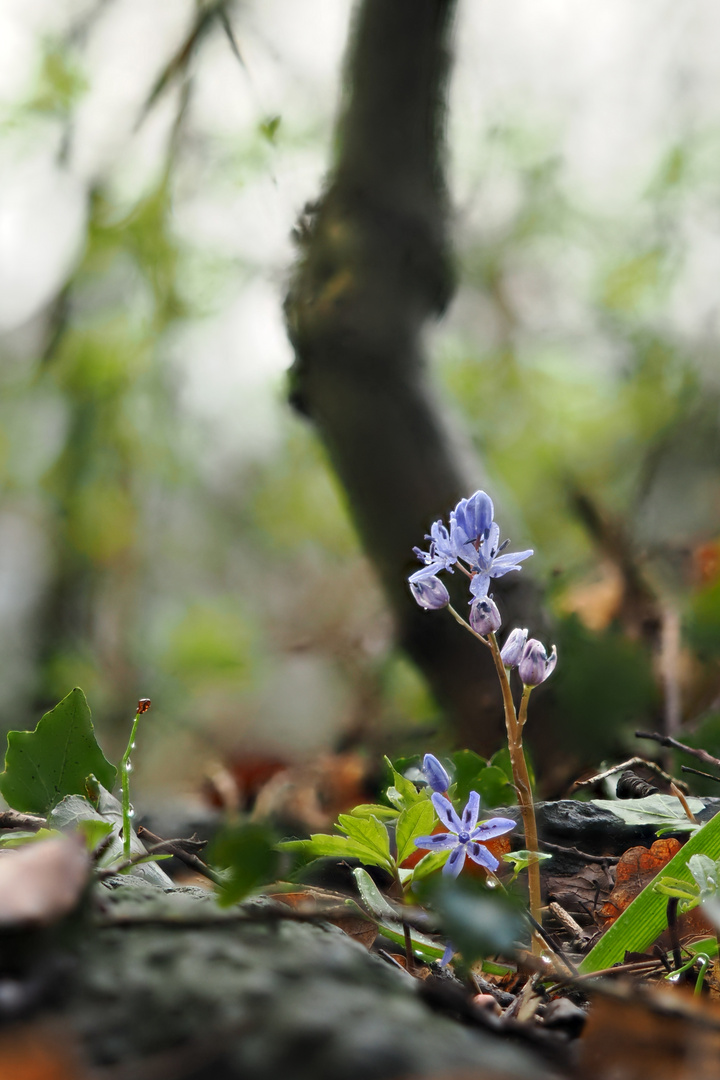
column 535, row 664
column 484, row 616
column 512, row 650
column 430, row 593
column 474, row 515
column 435, row 774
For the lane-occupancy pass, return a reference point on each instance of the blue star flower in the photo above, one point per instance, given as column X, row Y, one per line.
column 473, row 539
column 487, row 561
column 465, row 836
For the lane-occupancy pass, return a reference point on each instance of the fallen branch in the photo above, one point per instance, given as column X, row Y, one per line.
column 667, row 740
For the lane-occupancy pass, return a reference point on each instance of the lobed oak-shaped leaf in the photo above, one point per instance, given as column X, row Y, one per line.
column 54, row 760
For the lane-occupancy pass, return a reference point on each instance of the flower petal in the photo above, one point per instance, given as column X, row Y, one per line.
column 496, row 826
column 471, row 811
column 437, row 842
column 479, row 585
column 446, row 812
column 448, row 954
column 481, row 855
column 456, row 861
column 503, row 563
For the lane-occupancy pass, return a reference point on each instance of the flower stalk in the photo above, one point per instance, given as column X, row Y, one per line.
column 514, row 724
column 125, row 768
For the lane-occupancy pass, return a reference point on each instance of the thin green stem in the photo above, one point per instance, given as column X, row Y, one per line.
column 125, row 781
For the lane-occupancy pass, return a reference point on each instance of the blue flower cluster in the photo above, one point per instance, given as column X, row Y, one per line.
column 472, row 542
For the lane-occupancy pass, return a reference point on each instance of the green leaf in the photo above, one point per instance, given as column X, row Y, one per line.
column 382, row 813
column 20, row 839
column 663, row 810
column 268, row 128
column 338, row 847
column 479, row 923
column 370, row 833
column 416, row 820
column 94, row 831
column 402, row 791
column 522, row 859
column 73, row 810
column 371, row 896
column 388, row 921
column 467, row 766
column 646, row 917
column 706, row 873
column 45, row 765
column 247, row 854
column 429, row 864
column 494, row 788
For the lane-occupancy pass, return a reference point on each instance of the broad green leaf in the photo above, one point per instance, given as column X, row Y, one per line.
column 646, row 917
column 416, row 820
column 382, row 813
column 402, row 791
column 369, row 832
column 429, row 864
column 45, row 765
column 94, row 831
column 494, row 788
column 339, row 847
column 247, row 854
column 663, row 810
column 501, row 760
column 467, row 766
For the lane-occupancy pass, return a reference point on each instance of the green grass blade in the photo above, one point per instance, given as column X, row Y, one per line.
column 646, row 917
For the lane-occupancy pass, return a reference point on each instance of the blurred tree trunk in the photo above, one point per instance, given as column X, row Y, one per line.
column 375, row 266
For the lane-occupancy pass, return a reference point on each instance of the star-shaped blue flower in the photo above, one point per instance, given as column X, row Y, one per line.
column 488, row 562
column 465, row 837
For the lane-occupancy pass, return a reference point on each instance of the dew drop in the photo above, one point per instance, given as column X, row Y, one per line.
column 129, row 767
column 491, row 884
column 131, row 812
column 132, row 745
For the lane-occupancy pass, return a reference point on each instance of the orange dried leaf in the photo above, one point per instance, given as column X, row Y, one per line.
column 637, row 866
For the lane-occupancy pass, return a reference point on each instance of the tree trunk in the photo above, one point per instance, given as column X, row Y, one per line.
column 375, row 266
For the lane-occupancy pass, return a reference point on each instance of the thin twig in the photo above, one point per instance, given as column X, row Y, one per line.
column 698, row 772
column 174, row 847
column 13, row 819
column 567, row 920
column 630, row 764
column 553, row 944
column 584, row 856
column 667, row 740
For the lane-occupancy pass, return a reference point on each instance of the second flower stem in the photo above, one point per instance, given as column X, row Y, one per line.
column 514, row 725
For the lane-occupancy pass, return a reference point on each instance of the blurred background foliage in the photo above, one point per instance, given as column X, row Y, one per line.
column 169, row 528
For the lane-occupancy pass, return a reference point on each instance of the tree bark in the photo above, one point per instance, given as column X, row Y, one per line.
column 375, row 267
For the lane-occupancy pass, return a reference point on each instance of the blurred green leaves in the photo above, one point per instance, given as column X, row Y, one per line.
column 246, row 854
